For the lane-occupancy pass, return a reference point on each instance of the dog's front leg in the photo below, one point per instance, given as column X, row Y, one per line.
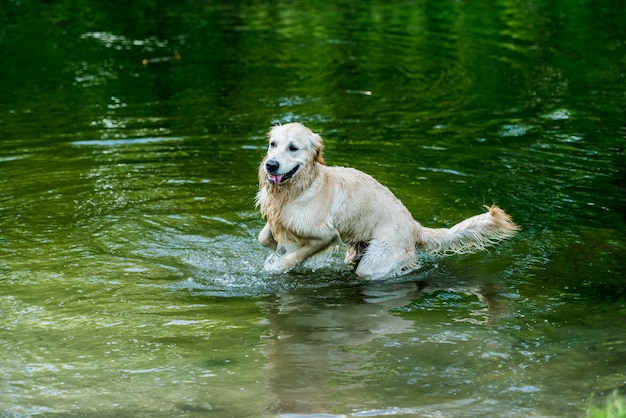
column 311, row 247
column 266, row 238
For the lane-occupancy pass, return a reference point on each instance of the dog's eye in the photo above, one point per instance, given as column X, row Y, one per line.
column 293, row 148
column 272, row 144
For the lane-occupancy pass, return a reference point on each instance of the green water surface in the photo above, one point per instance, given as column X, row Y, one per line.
column 131, row 281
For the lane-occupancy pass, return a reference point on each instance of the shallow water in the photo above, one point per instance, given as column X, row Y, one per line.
column 131, row 282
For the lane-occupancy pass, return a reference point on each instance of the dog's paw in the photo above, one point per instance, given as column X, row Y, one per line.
column 290, row 261
column 279, row 263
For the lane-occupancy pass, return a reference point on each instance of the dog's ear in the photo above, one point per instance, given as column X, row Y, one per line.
column 318, row 146
column 262, row 174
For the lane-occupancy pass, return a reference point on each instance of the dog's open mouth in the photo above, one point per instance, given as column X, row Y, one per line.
column 281, row 178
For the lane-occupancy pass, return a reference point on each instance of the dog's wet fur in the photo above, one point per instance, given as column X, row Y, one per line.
column 311, row 207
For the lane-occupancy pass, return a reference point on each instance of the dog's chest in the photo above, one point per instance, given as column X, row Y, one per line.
column 303, row 219
column 299, row 219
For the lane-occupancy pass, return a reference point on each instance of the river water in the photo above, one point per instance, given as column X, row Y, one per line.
column 131, row 282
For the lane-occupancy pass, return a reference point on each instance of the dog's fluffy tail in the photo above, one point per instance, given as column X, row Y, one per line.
column 471, row 235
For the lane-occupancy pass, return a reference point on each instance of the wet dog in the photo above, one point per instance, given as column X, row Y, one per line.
column 311, row 207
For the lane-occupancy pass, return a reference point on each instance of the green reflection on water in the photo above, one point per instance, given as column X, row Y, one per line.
column 131, row 281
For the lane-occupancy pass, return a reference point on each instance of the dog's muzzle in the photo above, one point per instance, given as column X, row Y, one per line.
column 272, row 168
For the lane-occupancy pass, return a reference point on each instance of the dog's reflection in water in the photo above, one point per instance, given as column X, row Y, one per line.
column 315, row 336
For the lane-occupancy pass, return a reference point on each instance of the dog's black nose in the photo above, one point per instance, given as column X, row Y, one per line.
column 271, row 166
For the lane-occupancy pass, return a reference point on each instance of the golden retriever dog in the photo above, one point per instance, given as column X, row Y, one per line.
column 311, row 208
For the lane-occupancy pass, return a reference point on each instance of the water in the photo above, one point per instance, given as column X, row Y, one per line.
column 131, row 280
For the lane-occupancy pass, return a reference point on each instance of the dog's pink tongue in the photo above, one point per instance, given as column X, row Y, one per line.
column 276, row 178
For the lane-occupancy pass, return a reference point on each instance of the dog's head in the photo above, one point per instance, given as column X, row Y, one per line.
column 293, row 148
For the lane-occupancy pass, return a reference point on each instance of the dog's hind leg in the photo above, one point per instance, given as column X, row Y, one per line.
column 383, row 259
